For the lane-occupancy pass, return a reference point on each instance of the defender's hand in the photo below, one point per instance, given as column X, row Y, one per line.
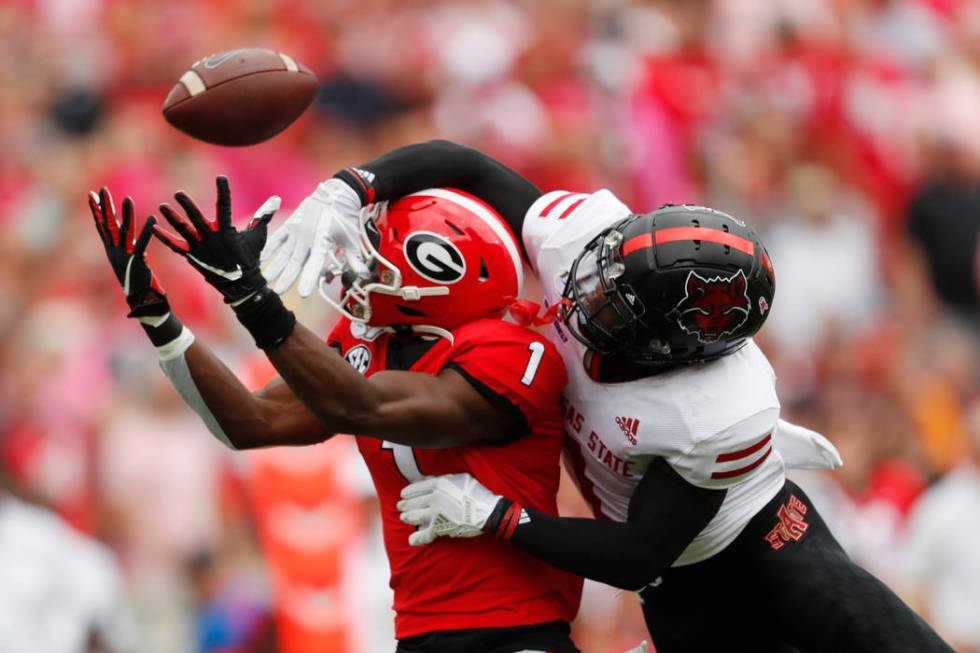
column 127, row 254
column 227, row 258
column 319, row 239
column 454, row 505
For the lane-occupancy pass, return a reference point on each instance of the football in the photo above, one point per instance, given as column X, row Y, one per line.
column 240, row 97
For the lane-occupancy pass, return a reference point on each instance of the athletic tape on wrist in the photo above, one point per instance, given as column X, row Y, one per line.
column 161, row 329
column 504, row 519
column 177, row 346
column 266, row 318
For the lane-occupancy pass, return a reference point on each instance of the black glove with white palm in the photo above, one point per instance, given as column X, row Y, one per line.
column 228, row 259
column 127, row 256
column 319, row 240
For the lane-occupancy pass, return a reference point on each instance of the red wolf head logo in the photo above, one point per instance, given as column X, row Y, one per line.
column 713, row 307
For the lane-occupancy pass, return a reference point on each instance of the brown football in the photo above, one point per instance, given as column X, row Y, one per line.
column 240, row 97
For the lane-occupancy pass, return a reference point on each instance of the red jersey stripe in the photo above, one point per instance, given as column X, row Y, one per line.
column 742, row 470
column 571, row 207
column 742, row 453
column 555, row 202
column 709, row 235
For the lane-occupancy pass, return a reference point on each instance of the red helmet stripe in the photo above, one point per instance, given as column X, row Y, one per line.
column 688, row 233
column 637, row 242
column 709, row 235
column 767, row 264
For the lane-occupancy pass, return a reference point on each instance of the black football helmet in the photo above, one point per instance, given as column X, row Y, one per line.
column 682, row 284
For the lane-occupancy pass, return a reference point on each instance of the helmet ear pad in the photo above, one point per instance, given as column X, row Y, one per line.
column 698, row 282
column 444, row 258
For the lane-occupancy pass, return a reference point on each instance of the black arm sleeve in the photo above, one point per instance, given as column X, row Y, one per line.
column 439, row 163
column 665, row 514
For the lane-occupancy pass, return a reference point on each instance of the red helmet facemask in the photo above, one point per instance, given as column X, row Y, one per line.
column 439, row 258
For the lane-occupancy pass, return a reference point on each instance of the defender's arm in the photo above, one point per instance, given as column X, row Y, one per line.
column 665, row 514
column 438, row 163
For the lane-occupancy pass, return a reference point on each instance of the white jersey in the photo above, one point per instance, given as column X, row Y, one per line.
column 57, row 586
column 712, row 423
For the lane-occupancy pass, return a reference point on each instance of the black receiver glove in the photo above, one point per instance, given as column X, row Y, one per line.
column 228, row 259
column 127, row 256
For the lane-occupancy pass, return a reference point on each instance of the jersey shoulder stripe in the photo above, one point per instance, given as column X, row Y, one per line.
column 562, row 222
column 560, row 204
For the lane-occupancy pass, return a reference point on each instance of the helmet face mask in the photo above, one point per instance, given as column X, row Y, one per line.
column 385, row 277
column 679, row 285
column 438, row 258
column 599, row 314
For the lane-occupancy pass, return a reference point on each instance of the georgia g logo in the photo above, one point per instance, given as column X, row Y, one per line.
column 713, row 307
column 434, row 257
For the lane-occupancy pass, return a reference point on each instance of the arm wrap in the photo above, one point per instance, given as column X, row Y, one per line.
column 174, row 365
column 441, row 163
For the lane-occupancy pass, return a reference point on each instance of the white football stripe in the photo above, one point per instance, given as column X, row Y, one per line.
column 289, row 62
column 193, row 83
column 493, row 221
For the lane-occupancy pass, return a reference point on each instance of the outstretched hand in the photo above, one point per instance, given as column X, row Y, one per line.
column 127, row 254
column 227, row 258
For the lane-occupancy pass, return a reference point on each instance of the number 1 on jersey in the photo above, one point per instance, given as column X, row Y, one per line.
column 537, row 353
column 405, row 461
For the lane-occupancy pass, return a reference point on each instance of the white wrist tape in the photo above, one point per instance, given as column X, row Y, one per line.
column 174, row 365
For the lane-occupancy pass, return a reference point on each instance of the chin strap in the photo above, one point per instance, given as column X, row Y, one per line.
column 528, row 313
column 429, row 330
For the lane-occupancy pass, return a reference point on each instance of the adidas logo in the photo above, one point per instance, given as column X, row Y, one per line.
column 628, row 425
column 365, row 175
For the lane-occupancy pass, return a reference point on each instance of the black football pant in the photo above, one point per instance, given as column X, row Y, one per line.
column 550, row 637
column 783, row 585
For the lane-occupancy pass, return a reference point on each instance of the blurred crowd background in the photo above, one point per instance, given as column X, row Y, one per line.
column 847, row 131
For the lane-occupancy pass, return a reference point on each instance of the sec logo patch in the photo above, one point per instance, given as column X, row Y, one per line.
column 359, row 358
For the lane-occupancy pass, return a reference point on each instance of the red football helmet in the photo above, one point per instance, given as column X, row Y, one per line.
column 439, row 257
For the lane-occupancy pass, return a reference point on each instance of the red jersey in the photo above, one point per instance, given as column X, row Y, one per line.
column 481, row 582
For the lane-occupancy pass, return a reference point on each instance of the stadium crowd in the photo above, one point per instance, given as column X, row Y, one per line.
column 847, row 130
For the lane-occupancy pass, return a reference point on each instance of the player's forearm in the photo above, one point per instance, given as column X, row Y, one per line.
column 665, row 514
column 618, row 554
column 417, row 410
column 233, row 414
column 242, row 416
column 326, row 384
column 440, row 163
